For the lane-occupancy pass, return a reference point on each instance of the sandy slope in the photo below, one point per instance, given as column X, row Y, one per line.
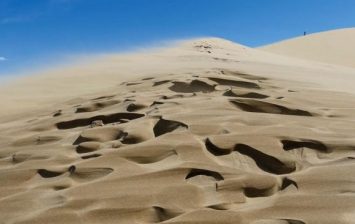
column 205, row 132
column 334, row 47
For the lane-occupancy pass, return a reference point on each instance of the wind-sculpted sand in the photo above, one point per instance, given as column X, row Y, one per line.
column 333, row 47
column 222, row 143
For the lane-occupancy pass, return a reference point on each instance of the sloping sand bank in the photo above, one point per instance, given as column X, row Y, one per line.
column 333, row 47
column 206, row 132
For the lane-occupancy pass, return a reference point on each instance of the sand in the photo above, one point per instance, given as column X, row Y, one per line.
column 207, row 131
column 320, row 47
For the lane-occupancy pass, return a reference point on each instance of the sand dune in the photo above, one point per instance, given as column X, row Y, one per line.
column 207, row 131
column 333, row 47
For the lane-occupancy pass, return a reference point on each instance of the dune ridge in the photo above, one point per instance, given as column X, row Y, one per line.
column 331, row 47
column 206, row 132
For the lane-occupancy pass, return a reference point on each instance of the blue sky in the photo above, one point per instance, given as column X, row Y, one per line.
column 35, row 33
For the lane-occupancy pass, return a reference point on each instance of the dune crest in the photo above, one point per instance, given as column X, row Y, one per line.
column 332, row 47
column 205, row 132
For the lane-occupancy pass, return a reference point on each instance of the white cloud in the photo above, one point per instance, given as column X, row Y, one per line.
column 3, row 59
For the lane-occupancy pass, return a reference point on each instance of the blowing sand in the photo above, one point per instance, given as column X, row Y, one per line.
column 207, row 131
